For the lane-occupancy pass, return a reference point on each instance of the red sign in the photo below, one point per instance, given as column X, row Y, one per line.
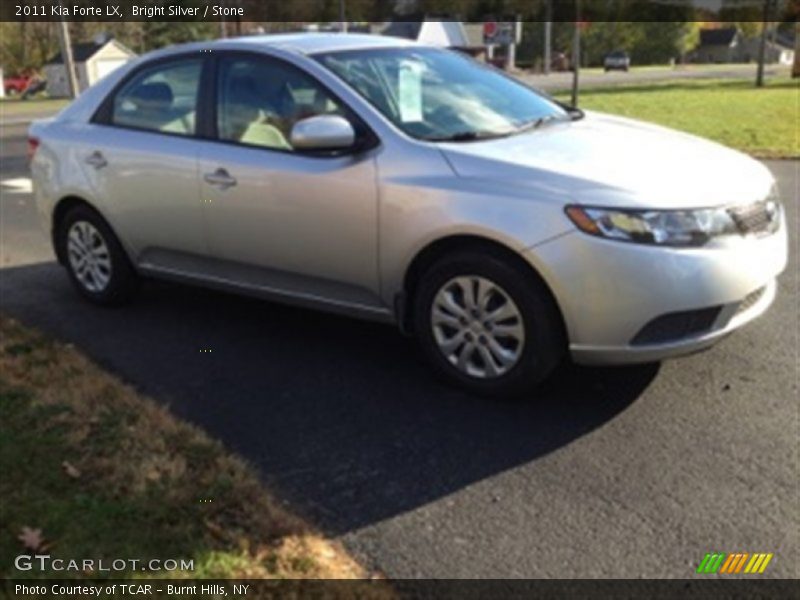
column 500, row 33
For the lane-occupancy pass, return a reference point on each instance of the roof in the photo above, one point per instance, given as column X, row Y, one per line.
column 404, row 29
column 303, row 43
column 785, row 40
column 83, row 51
column 718, row 37
column 474, row 33
column 312, row 42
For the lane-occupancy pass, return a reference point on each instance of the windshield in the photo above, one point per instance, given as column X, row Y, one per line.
column 441, row 95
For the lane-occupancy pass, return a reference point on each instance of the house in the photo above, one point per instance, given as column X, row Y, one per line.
column 775, row 52
column 93, row 60
column 717, row 45
column 728, row 45
column 449, row 34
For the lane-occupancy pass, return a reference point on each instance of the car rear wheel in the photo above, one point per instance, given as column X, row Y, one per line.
column 487, row 325
column 94, row 258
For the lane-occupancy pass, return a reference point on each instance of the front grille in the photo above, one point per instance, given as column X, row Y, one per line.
column 675, row 326
column 750, row 300
column 758, row 218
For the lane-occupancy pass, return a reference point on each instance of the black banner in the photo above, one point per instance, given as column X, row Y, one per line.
column 452, row 589
column 363, row 11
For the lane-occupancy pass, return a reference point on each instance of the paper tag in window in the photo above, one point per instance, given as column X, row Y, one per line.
column 410, row 92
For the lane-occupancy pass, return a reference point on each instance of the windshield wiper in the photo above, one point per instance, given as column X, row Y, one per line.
column 470, row 136
column 533, row 124
column 465, row 136
column 575, row 113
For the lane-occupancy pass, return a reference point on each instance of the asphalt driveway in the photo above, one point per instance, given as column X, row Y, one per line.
column 631, row 472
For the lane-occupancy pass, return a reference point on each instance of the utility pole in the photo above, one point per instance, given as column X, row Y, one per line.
column 511, row 55
column 223, row 30
column 342, row 17
column 548, row 35
column 576, row 54
column 66, row 56
column 762, row 46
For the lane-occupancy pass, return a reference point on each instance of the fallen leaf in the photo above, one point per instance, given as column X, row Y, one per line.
column 71, row 470
column 31, row 538
column 215, row 530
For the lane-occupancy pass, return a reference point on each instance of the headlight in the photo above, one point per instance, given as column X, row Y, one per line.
column 658, row 227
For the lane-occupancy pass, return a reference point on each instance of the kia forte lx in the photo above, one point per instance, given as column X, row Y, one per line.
column 389, row 180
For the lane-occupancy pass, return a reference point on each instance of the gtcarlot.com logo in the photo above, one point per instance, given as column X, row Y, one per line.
column 43, row 562
column 737, row 562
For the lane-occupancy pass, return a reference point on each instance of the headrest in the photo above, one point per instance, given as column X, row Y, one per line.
column 152, row 95
column 243, row 90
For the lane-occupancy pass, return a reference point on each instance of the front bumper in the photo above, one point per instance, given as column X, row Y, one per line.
column 726, row 323
column 609, row 291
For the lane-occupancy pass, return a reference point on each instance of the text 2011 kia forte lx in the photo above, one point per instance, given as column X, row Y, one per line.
column 394, row 181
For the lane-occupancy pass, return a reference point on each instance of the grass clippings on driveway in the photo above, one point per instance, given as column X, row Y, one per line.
column 760, row 121
column 90, row 468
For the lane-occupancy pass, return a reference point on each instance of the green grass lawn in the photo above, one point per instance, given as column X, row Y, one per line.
column 762, row 122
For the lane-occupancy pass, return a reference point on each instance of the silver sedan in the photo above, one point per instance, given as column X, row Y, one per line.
column 394, row 181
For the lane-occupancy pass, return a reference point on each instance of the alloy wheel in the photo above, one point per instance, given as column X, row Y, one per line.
column 477, row 327
column 89, row 256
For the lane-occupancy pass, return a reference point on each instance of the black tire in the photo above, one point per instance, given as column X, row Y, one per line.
column 544, row 344
column 123, row 281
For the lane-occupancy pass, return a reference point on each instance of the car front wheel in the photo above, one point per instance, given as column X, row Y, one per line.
column 487, row 325
column 94, row 258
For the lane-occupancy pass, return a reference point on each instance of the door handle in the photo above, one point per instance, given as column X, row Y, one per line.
column 220, row 179
column 96, row 159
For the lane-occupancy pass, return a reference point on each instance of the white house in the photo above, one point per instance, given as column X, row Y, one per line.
column 93, row 60
column 728, row 45
column 431, row 31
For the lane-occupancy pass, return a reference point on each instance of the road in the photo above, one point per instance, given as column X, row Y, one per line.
column 594, row 78
column 629, row 472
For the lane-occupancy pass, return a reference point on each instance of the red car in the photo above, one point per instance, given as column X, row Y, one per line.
column 16, row 85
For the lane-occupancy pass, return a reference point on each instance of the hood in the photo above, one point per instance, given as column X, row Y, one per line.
column 612, row 161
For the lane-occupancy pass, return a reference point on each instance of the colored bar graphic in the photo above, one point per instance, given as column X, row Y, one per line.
column 702, row 567
column 729, row 564
column 711, row 563
column 740, row 564
column 764, row 564
column 753, row 563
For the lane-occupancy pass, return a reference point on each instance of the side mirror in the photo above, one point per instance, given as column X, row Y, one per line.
column 323, row 132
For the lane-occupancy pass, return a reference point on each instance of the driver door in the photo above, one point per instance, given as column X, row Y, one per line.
column 281, row 220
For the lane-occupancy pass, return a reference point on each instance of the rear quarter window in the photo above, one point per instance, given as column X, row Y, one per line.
column 162, row 98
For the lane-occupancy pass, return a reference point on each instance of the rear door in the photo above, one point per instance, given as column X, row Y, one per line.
column 140, row 156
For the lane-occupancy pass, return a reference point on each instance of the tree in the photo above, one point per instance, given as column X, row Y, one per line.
column 658, row 43
column 26, row 45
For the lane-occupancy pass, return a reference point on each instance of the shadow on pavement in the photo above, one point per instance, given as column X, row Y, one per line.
column 340, row 416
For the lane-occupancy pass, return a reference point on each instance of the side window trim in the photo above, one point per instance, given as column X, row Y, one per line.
column 363, row 131
column 105, row 111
